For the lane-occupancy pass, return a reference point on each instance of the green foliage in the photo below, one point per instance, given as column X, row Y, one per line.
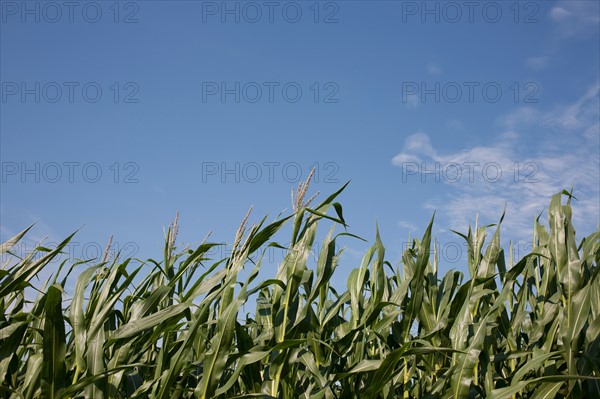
column 530, row 330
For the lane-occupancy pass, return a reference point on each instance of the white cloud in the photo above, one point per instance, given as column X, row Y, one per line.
column 412, row 100
column 420, row 142
column 415, row 145
column 407, row 225
column 537, row 63
column 573, row 19
column 582, row 112
column 538, row 154
column 576, row 18
column 523, row 116
column 559, row 14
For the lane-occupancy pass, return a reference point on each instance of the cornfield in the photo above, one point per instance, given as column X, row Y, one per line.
column 523, row 328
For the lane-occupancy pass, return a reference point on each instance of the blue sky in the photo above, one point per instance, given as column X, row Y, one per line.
column 114, row 116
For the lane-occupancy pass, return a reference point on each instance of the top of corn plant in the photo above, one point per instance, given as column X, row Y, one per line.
column 524, row 330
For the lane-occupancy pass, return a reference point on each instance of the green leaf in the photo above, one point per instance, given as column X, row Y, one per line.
column 54, row 345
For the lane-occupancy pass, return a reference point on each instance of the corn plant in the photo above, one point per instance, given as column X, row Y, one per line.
column 174, row 328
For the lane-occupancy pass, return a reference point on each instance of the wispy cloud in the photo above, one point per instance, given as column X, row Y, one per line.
column 538, row 63
column 573, row 20
column 412, row 100
column 407, row 225
column 576, row 17
column 537, row 155
column 415, row 146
